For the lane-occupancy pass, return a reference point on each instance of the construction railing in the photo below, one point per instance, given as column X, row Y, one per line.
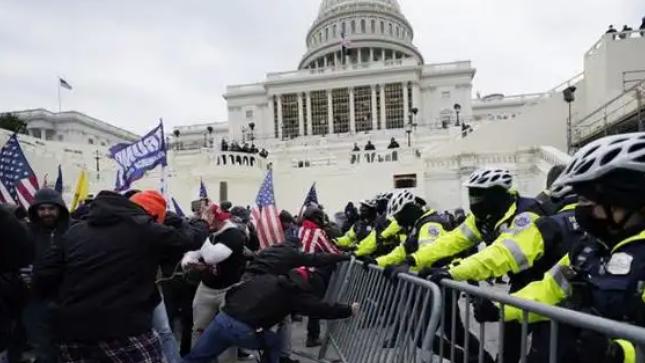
column 408, row 319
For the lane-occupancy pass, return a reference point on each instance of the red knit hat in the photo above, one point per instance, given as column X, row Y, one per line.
column 153, row 202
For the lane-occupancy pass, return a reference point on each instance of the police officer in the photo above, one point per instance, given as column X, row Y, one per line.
column 385, row 235
column 421, row 227
column 603, row 277
column 363, row 226
column 524, row 253
column 496, row 209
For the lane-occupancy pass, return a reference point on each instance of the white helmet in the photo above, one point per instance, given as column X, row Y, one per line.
column 399, row 200
column 490, row 177
column 598, row 158
column 558, row 191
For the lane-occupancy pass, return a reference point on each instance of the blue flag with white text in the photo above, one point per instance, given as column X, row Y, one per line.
column 135, row 159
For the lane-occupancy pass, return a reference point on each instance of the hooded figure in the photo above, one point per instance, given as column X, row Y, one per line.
column 48, row 220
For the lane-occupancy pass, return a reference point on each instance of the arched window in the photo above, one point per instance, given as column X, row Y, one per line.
column 326, row 34
column 373, row 26
column 398, row 32
column 335, row 31
column 343, row 28
column 353, row 26
column 382, row 27
column 363, row 26
column 391, row 30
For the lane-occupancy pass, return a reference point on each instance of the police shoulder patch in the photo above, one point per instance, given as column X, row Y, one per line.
column 433, row 231
column 620, row 263
column 521, row 221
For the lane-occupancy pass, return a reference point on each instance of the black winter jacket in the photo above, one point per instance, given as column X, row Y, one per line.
column 103, row 271
column 265, row 300
column 16, row 251
column 279, row 259
column 42, row 236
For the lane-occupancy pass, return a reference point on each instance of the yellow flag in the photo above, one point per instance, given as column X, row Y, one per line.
column 81, row 191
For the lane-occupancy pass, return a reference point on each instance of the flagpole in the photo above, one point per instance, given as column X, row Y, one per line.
column 59, row 103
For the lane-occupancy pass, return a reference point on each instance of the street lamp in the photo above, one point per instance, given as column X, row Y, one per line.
column 251, row 135
column 411, row 125
column 457, row 108
column 98, row 167
column 177, row 133
column 569, row 97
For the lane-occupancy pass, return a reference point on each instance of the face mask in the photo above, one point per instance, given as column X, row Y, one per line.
column 605, row 230
column 408, row 215
column 489, row 204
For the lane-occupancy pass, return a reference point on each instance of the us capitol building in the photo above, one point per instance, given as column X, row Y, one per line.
column 362, row 79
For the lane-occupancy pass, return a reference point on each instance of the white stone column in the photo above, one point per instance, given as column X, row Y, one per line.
column 325, row 61
column 330, row 113
column 309, row 118
column 383, row 120
column 406, row 109
column 273, row 118
column 280, row 125
column 336, row 60
column 371, row 54
column 352, row 111
column 301, row 116
column 374, row 108
column 383, row 54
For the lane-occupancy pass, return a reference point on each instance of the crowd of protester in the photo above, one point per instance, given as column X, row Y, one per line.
column 245, row 148
column 623, row 33
column 117, row 280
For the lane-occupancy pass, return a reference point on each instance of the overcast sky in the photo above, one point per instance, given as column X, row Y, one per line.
column 131, row 62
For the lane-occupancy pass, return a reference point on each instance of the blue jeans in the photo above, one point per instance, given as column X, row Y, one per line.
column 161, row 325
column 225, row 332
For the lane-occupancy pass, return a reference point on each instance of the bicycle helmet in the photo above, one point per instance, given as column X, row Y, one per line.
column 598, row 158
column 399, row 200
column 489, row 178
column 610, row 170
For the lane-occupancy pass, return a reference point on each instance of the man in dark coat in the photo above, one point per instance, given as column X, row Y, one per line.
column 256, row 305
column 16, row 252
column 103, row 272
column 48, row 222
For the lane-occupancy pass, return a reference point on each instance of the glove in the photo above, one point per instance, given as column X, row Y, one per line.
column 593, row 347
column 435, row 274
column 191, row 261
column 173, row 220
column 393, row 272
column 367, row 261
column 485, row 311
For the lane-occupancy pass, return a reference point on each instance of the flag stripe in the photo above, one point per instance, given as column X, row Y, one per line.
column 5, row 196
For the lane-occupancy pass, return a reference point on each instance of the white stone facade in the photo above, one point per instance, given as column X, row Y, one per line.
column 73, row 127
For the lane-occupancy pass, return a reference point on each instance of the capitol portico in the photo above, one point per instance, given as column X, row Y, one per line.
column 379, row 86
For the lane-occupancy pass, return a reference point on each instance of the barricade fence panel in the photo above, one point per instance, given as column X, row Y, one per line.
column 398, row 318
column 409, row 319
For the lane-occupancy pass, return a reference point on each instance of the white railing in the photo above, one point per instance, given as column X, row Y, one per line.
column 610, row 37
column 612, row 112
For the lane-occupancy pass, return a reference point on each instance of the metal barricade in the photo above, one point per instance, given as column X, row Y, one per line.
column 398, row 318
column 559, row 319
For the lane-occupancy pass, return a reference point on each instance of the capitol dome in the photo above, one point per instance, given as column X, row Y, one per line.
column 376, row 30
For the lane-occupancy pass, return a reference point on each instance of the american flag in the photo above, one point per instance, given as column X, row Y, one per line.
column 265, row 216
column 345, row 43
column 18, row 183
